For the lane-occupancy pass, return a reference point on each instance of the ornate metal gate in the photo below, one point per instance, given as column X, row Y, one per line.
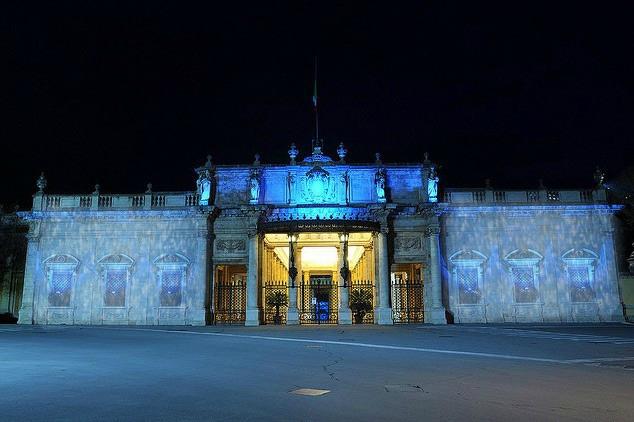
column 275, row 293
column 407, row 301
column 231, row 302
column 362, row 301
column 318, row 301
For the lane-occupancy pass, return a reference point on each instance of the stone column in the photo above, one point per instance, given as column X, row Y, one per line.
column 344, row 312
column 383, row 312
column 292, row 314
column 438, row 310
column 367, row 263
column 253, row 312
column 27, row 315
column 196, row 311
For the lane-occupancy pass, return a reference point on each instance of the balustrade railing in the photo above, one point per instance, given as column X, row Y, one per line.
column 483, row 196
column 157, row 200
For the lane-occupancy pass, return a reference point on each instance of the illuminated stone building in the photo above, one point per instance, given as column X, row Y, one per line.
column 315, row 241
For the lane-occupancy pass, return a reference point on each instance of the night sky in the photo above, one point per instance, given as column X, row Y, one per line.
column 122, row 95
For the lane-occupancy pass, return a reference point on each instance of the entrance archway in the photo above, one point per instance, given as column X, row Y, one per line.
column 319, row 294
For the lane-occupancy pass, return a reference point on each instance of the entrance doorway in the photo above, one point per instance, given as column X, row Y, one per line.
column 317, row 258
column 230, row 294
column 407, row 293
column 319, row 300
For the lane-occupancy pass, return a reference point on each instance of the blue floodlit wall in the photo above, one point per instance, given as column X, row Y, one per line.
column 339, row 184
column 499, row 246
column 549, row 259
column 142, row 244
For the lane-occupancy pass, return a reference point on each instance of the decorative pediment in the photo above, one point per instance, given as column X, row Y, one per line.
column 61, row 259
column 467, row 257
column 523, row 257
column 579, row 257
column 61, row 262
column 171, row 260
column 116, row 260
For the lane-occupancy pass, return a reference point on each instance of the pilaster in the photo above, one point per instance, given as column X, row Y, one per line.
column 383, row 312
column 253, row 312
column 30, row 274
column 438, row 310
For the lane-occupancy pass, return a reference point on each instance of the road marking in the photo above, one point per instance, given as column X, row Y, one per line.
column 310, row 392
column 347, row 343
column 590, row 360
column 550, row 335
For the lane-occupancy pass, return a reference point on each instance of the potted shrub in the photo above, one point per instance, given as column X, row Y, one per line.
column 277, row 299
column 360, row 304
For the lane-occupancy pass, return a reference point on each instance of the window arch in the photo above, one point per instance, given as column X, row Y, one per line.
column 524, row 270
column 172, row 270
column 115, row 270
column 61, row 271
column 579, row 265
column 468, row 273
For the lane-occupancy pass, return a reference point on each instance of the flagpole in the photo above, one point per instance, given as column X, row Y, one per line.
column 315, row 105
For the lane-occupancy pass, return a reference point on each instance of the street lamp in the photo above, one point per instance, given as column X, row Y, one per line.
column 345, row 272
column 292, row 270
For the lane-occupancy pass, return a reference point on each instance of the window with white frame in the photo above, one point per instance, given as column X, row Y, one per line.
column 60, row 274
column 580, row 268
column 468, row 290
column 171, row 287
column 524, row 270
column 60, row 288
column 468, row 274
column 115, row 288
column 580, row 287
column 115, row 270
column 172, row 272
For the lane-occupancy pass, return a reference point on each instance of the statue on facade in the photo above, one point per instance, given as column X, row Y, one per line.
column 290, row 187
column 254, row 187
column 292, row 153
column 432, row 185
column 379, row 181
column 41, row 183
column 203, row 184
column 204, row 188
column 341, row 152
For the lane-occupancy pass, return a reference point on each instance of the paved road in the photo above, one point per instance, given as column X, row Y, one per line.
column 360, row 373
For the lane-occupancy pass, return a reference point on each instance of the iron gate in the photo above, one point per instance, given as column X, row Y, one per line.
column 407, row 301
column 231, row 302
column 319, row 301
column 361, row 298
column 275, row 298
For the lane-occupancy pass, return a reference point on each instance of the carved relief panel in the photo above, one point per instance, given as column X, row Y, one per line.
column 230, row 246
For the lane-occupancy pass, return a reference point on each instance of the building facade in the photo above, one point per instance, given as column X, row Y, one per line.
column 320, row 241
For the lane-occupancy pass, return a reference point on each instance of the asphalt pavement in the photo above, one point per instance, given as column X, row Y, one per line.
column 317, row 373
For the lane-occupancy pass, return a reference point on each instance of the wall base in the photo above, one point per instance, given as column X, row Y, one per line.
column 252, row 318
column 383, row 316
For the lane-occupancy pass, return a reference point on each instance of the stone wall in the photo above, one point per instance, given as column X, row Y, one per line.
column 159, row 256
column 550, row 263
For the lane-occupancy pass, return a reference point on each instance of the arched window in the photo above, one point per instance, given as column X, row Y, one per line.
column 524, row 270
column 579, row 265
column 468, row 273
column 115, row 271
column 60, row 276
column 172, row 270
